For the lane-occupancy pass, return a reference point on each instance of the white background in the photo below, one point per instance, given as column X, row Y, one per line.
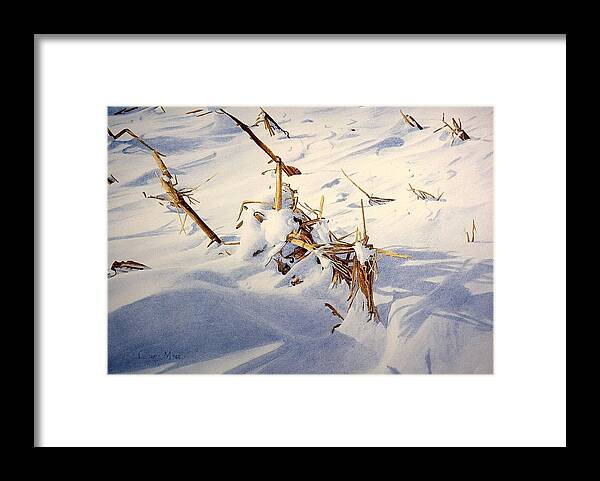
column 522, row 404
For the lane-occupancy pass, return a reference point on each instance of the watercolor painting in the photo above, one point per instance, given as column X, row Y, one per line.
column 300, row 240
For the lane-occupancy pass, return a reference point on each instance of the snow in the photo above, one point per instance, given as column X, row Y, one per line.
column 320, row 232
column 277, row 225
column 252, row 238
column 363, row 254
column 221, row 310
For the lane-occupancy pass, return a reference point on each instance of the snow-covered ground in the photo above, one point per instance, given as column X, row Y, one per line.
column 220, row 310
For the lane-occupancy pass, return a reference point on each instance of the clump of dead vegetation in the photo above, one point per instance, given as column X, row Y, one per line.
column 269, row 123
column 352, row 262
column 456, row 129
column 373, row 200
column 473, row 230
column 410, row 120
column 423, row 195
column 125, row 266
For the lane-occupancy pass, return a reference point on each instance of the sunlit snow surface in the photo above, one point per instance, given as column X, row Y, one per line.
column 220, row 310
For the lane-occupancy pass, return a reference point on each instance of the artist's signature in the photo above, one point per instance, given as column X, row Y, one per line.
column 167, row 355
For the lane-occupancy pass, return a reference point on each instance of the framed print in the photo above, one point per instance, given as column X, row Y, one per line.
column 299, row 240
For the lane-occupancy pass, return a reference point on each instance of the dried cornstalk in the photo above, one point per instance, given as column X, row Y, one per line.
column 341, row 238
column 161, row 165
column 410, row 120
column 269, row 123
column 304, row 241
column 186, row 192
column 178, row 200
column 279, row 165
column 176, row 197
column 308, row 223
column 421, row 194
column 473, row 230
column 373, row 200
column 391, row 254
column 363, row 278
column 310, row 209
column 124, row 110
column 126, row 266
column 334, row 311
column 135, row 136
column 160, row 197
column 164, row 197
column 363, row 275
column 278, row 187
column 245, row 202
column 295, row 239
column 335, row 327
column 289, row 170
column 456, row 129
column 362, row 208
column 337, row 278
column 199, row 110
column 282, row 266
